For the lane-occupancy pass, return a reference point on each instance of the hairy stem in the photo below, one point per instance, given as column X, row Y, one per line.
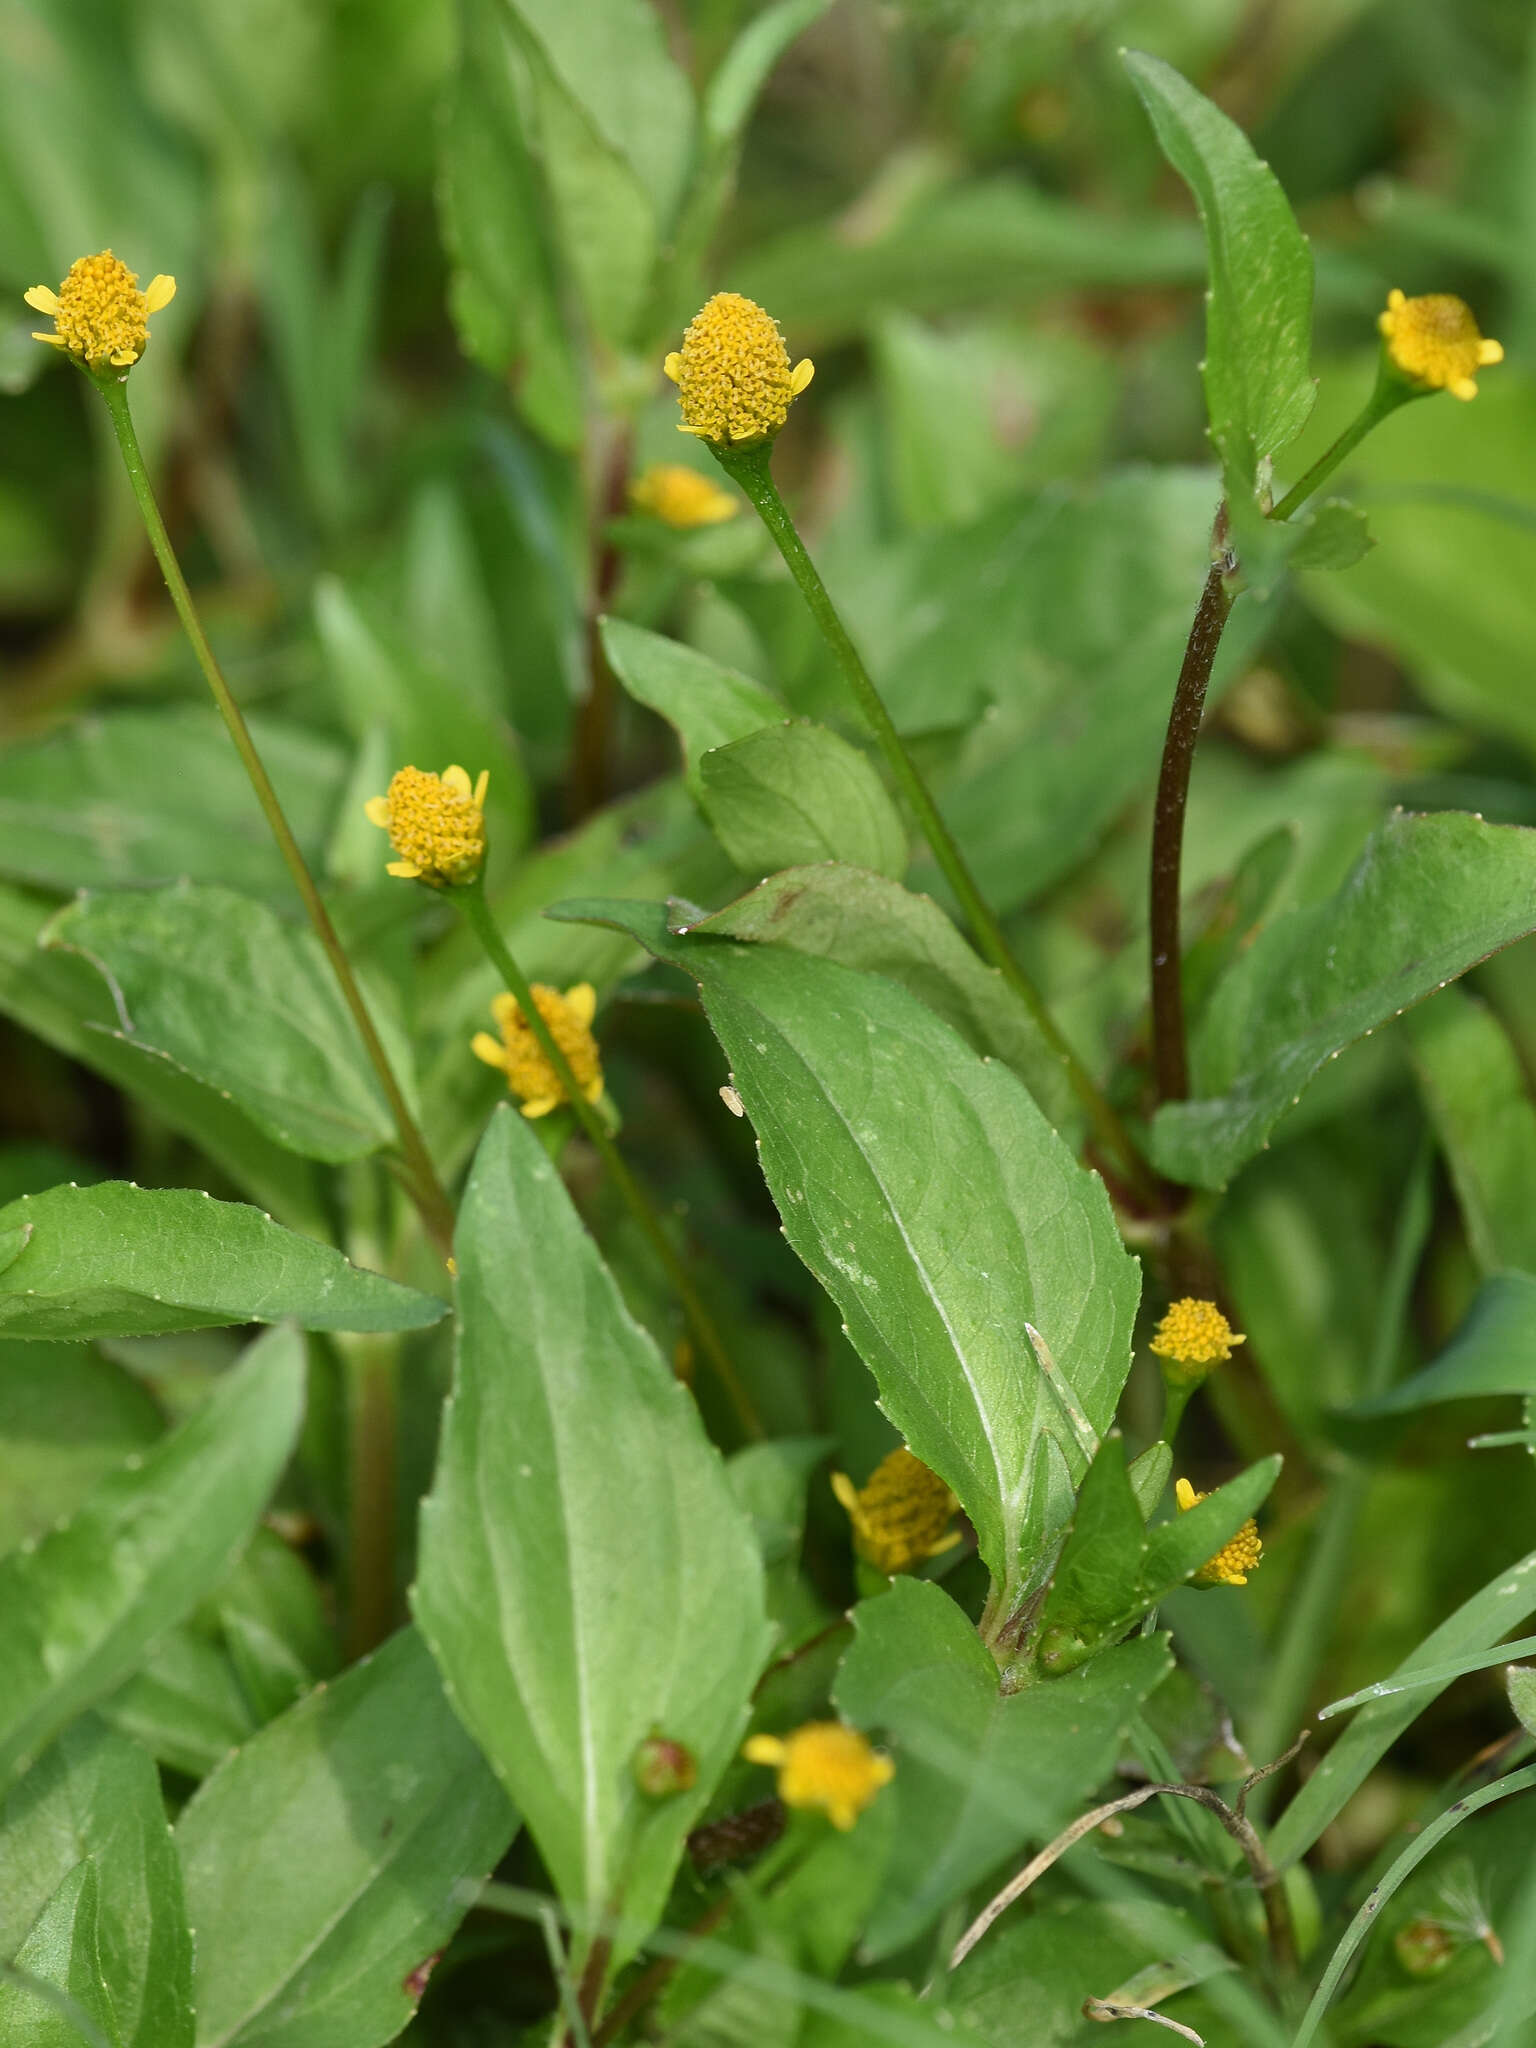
column 471, row 900
column 418, row 1174
column 1170, row 1056
column 749, row 467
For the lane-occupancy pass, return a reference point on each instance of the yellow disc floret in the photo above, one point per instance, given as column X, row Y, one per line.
column 1237, row 1557
column 1195, row 1335
column 824, row 1765
column 900, row 1515
column 530, row 1074
column 680, row 497
column 99, row 314
column 436, row 824
column 1434, row 343
column 733, row 379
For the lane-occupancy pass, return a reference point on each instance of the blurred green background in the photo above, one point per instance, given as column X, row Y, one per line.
column 428, row 262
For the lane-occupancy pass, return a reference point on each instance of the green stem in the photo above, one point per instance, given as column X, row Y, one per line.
column 371, row 1365
column 1311, row 1612
column 1389, row 394
column 750, row 467
column 420, row 1175
column 471, row 900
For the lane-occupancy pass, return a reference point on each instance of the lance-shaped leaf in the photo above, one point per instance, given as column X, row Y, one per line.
column 938, row 1208
column 870, row 922
column 95, row 1795
column 1428, row 898
column 706, row 705
column 116, row 1260
column 78, row 1611
column 1258, row 319
column 330, row 1859
column 224, row 989
column 587, row 1576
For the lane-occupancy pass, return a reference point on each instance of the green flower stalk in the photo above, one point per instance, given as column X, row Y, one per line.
column 735, row 386
column 101, row 323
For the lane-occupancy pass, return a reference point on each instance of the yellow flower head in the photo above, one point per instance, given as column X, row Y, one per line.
column 530, row 1074
column 99, row 314
column 901, row 1515
column 824, row 1765
column 1433, row 342
column 1237, row 1557
column 732, row 373
column 436, row 823
column 1192, row 1337
column 680, row 497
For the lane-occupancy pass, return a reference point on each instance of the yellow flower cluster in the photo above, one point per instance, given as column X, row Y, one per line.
column 826, row 1766
column 678, row 496
column 530, row 1074
column 733, row 379
column 901, row 1515
column 1192, row 1337
column 1434, row 342
column 436, row 824
column 98, row 312
column 1236, row 1558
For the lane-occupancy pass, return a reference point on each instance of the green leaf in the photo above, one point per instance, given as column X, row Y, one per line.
column 586, row 1576
column 135, row 797
column 938, row 1208
column 62, row 1951
column 611, row 58
column 978, row 1773
column 224, row 989
column 78, row 1611
column 606, row 222
column 95, row 1795
column 1478, row 1099
column 1494, row 1352
column 364, row 1819
column 1335, row 536
column 1025, row 1985
column 503, row 291
column 66, row 1418
column 184, row 1703
column 867, row 2017
column 707, row 705
column 1428, row 898
column 116, row 1260
column 1113, row 1570
column 1258, row 336
column 1520, row 1683
column 1477, row 1624
column 797, row 793
column 66, row 1004
column 871, row 923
